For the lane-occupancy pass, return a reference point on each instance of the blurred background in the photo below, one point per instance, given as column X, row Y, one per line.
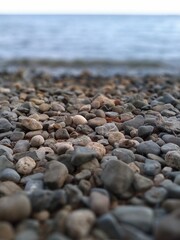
column 105, row 37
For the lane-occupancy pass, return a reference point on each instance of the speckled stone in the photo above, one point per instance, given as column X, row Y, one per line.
column 172, row 159
column 25, row 165
column 115, row 137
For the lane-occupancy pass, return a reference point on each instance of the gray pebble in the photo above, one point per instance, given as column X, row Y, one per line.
column 124, row 155
column 155, row 195
column 148, row 147
column 170, row 147
column 82, row 155
column 5, row 125
column 145, row 131
column 9, row 174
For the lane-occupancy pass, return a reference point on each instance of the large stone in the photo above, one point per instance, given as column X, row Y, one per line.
column 14, row 208
column 148, row 147
column 117, row 177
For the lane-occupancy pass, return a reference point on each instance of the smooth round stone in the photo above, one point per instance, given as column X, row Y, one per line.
column 21, row 146
column 78, row 119
column 155, row 195
column 9, row 174
column 84, row 186
column 6, row 231
column 134, row 167
column 106, row 129
column 148, row 147
column 172, row 159
column 25, row 165
column 97, row 121
column 115, row 137
column 117, row 177
column 91, row 165
column 141, row 183
column 31, row 124
column 84, row 129
column 138, row 216
column 157, row 158
column 99, row 201
column 168, row 227
column 44, row 107
column 151, row 167
column 8, row 188
column 37, row 141
column 170, row 147
column 158, row 179
column 5, row 125
column 5, row 163
column 128, row 143
column 145, row 131
column 55, row 174
column 14, row 208
column 98, row 148
column 79, row 223
column 124, row 155
column 82, row 155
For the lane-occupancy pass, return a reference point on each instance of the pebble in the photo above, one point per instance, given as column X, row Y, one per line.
column 6, row 231
column 145, row 131
column 78, row 119
column 79, row 223
column 151, row 167
column 99, row 201
column 172, row 159
column 82, row 155
column 55, row 174
column 5, row 163
column 62, row 134
column 21, row 146
column 171, row 139
column 9, row 174
column 31, row 124
column 168, row 227
column 37, row 141
column 98, row 148
column 135, row 122
column 11, row 208
column 25, row 165
column 141, row 183
column 171, row 204
column 15, row 136
column 124, row 155
column 115, row 137
column 84, row 174
column 156, row 195
column 139, row 216
column 148, row 147
column 5, row 125
column 117, row 177
column 97, row 121
column 62, row 147
column 170, row 147
column 107, row 128
column 8, row 188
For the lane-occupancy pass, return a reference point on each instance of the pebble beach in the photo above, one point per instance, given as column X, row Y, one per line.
column 89, row 157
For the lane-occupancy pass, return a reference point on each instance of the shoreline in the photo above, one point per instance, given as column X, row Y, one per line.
column 82, row 154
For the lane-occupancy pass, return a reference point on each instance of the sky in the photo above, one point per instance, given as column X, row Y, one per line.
column 90, row 6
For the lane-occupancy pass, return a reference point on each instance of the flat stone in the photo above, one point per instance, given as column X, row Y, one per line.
column 171, row 139
column 82, row 155
column 96, row 122
column 11, row 208
column 117, row 177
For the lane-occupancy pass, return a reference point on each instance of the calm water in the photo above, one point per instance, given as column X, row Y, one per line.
column 120, row 39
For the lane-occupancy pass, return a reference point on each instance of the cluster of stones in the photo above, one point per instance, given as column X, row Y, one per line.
column 88, row 160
